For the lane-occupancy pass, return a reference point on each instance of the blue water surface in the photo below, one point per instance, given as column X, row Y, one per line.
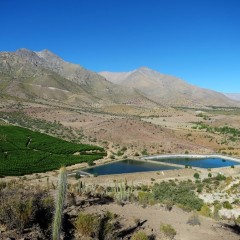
column 199, row 162
column 128, row 166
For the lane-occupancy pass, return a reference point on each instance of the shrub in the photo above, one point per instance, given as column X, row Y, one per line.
column 119, row 153
column 217, row 207
column 205, row 211
column 227, row 205
column 86, row 224
column 168, row 205
column 196, row 175
column 199, row 189
column 27, row 208
column 77, row 175
column 91, row 163
column 144, row 197
column 220, row 177
column 144, row 152
column 124, row 149
column 182, row 194
column 139, row 236
column 168, row 231
column 237, row 221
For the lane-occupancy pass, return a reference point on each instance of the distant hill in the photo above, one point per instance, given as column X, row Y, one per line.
column 234, row 96
column 43, row 75
column 167, row 89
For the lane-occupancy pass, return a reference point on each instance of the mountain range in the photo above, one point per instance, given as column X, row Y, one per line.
column 234, row 96
column 35, row 76
column 43, row 75
column 167, row 89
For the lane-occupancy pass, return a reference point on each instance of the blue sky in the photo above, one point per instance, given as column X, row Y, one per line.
column 196, row 40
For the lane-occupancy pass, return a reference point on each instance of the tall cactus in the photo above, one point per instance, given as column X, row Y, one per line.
column 59, row 204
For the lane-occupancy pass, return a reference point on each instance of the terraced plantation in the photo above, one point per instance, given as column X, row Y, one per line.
column 23, row 151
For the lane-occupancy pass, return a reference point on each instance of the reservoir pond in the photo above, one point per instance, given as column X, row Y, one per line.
column 128, row 166
column 199, row 162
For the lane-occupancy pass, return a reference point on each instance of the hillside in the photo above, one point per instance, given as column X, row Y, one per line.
column 43, row 75
column 234, row 96
column 168, row 89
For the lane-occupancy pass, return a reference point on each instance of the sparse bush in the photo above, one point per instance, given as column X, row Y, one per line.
column 168, row 231
column 139, row 236
column 217, row 207
column 27, row 208
column 168, row 205
column 194, row 220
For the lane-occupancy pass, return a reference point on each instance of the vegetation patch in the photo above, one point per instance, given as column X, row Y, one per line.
column 23, row 151
column 181, row 194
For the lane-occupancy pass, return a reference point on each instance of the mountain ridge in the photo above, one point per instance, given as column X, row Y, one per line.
column 44, row 75
column 167, row 89
column 234, row 96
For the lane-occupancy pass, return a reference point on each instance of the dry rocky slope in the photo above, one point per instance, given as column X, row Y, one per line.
column 168, row 89
column 43, row 75
column 37, row 76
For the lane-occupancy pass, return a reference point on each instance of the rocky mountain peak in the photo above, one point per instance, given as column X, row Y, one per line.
column 49, row 56
column 23, row 52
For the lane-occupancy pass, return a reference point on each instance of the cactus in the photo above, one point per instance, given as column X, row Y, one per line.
column 60, row 198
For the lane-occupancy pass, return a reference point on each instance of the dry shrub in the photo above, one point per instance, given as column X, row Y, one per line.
column 86, row 224
column 24, row 207
column 168, row 231
column 139, row 236
column 194, row 220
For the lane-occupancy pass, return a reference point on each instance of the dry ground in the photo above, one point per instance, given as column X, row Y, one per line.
column 156, row 215
column 163, row 130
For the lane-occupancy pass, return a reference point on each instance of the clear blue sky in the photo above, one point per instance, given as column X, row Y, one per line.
column 196, row 40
